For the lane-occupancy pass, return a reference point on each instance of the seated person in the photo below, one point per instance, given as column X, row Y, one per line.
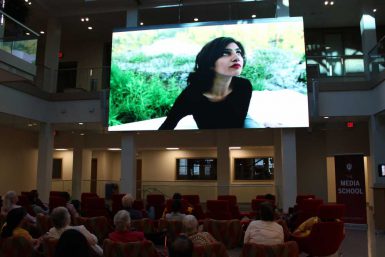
column 127, row 202
column 61, row 220
column 265, row 231
column 122, row 233
column 70, row 207
column 190, row 227
column 15, row 221
column 72, row 243
column 181, row 247
column 305, row 228
column 177, row 196
column 175, row 213
column 9, row 203
column 37, row 205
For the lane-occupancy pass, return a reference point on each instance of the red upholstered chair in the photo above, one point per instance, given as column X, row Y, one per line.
column 55, row 193
column 218, row 209
column 211, row 250
column 184, row 205
column 158, row 202
column 99, row 226
column 49, row 246
column 116, row 200
column 264, row 197
column 256, row 207
column 229, row 232
column 307, row 208
column 287, row 249
column 16, row 247
column 171, row 228
column 83, row 198
column 95, row 207
column 324, row 239
column 300, row 198
column 331, row 211
column 133, row 249
column 43, row 223
column 56, row 201
column 145, row 225
column 196, row 204
column 233, row 205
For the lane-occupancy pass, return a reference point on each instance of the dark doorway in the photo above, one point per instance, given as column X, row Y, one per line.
column 138, row 179
column 94, row 174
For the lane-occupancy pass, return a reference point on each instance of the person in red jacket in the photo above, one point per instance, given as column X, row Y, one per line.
column 122, row 233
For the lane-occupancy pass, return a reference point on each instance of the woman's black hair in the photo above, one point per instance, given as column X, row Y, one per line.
column 176, row 205
column 203, row 75
column 72, row 243
column 14, row 217
column 177, row 196
column 181, row 247
column 267, row 211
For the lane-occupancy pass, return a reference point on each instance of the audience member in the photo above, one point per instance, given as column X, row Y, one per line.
column 10, row 202
column 122, row 233
column 61, row 220
column 177, row 196
column 127, row 202
column 72, row 243
column 190, row 226
column 37, row 205
column 71, row 208
column 176, row 209
column 14, row 226
column 181, row 247
column 265, row 231
column 305, row 228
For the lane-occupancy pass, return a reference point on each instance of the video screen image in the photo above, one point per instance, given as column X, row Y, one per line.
column 150, row 67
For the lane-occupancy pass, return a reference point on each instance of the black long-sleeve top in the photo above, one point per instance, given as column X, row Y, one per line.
column 228, row 113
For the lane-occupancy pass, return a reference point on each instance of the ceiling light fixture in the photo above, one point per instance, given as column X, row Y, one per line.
column 326, row 117
column 61, row 149
column 82, row 134
column 42, row 32
column 326, row 2
column 254, row 16
column 29, row 3
column 81, row 123
column 196, row 19
column 27, row 33
column 141, row 24
column 172, row 148
column 234, row 148
column 374, row 10
column 90, row 28
column 331, row 2
column 114, row 149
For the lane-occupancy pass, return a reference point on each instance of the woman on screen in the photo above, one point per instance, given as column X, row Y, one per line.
column 215, row 95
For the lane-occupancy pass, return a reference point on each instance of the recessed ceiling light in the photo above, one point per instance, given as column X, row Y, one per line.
column 253, row 16
column 90, row 28
column 42, row 32
column 81, row 123
column 234, row 147
column 30, row 124
column 26, row 1
column 141, row 24
column 27, row 33
column 172, row 148
column 196, row 19
column 61, row 149
column 326, row 117
column 326, row 2
column 82, row 19
column 29, row 3
column 331, row 3
column 82, row 134
column 114, row 149
column 87, row 19
column 374, row 10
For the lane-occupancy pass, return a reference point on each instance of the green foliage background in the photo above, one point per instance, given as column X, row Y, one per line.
column 145, row 83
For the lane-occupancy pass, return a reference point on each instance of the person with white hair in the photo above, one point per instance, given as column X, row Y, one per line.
column 10, row 200
column 190, row 226
column 61, row 219
column 122, row 233
column 127, row 202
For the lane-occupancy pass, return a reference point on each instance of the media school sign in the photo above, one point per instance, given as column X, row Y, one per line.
column 350, row 187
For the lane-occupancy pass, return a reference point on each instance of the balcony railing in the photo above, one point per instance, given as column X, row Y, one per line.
column 377, row 57
column 338, row 66
column 17, row 39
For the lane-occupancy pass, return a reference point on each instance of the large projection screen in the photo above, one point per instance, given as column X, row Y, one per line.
column 150, row 66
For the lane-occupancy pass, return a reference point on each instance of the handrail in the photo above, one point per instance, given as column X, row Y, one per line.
column 19, row 23
column 380, row 42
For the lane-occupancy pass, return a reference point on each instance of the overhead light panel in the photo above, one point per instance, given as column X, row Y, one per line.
column 172, row 148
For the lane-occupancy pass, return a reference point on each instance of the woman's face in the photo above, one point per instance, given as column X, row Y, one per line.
column 231, row 62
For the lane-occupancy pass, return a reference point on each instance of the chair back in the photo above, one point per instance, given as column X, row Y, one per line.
column 233, row 205
column 211, row 250
column 324, row 239
column 331, row 211
column 172, row 228
column 43, row 223
column 158, row 202
column 287, row 249
column 218, row 209
column 99, row 226
column 49, row 246
column 145, row 225
column 94, row 207
column 229, row 232
column 116, row 200
column 170, row 202
column 84, row 196
column 133, row 249
column 307, row 208
column 56, row 201
column 16, row 246
column 191, row 199
column 300, row 198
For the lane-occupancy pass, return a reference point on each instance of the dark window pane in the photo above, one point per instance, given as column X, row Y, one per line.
column 57, row 168
column 261, row 168
column 196, row 169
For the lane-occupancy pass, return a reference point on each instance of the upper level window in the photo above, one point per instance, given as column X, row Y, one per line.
column 261, row 168
column 196, row 169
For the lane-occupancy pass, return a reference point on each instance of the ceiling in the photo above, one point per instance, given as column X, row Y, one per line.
column 105, row 15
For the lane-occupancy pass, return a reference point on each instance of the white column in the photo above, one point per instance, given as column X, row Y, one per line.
column 285, row 167
column 44, row 161
column 223, row 163
column 368, row 38
column 81, row 165
column 51, row 55
column 132, row 18
column 128, row 159
column 282, row 8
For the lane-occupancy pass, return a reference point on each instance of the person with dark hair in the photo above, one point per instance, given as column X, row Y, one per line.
column 215, row 96
column 37, row 205
column 15, row 221
column 72, row 243
column 71, row 208
column 181, row 247
column 176, row 211
column 265, row 231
